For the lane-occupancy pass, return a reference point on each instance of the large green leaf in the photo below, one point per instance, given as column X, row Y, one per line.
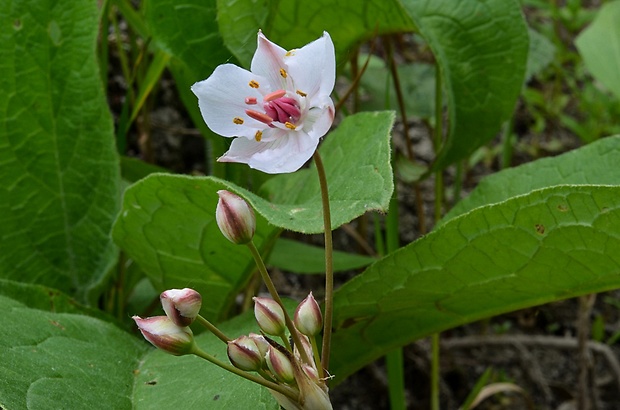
column 594, row 164
column 599, row 45
column 356, row 156
column 547, row 245
column 481, row 49
column 59, row 185
column 64, row 360
column 292, row 24
column 188, row 30
column 167, row 225
column 170, row 382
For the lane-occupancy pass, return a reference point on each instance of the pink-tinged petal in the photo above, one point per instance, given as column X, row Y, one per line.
column 313, row 67
column 319, row 119
column 284, row 154
column 221, row 99
column 268, row 61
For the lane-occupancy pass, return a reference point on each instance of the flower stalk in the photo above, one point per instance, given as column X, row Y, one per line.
column 329, row 264
column 274, row 294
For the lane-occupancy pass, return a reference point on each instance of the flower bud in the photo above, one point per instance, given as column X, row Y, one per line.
column 261, row 343
column 181, row 305
column 308, row 319
column 280, row 365
column 244, row 354
column 235, row 218
column 162, row 333
column 269, row 315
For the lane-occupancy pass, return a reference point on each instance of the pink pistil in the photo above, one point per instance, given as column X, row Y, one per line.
column 283, row 109
column 250, row 100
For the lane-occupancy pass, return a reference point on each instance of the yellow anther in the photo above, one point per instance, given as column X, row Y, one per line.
column 283, row 73
column 254, row 84
column 303, row 94
column 289, row 125
column 238, row 120
column 258, row 136
column 290, row 53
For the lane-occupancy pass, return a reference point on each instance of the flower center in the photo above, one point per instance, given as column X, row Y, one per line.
column 278, row 107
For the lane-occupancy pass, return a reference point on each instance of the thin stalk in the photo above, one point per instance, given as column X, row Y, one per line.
column 317, row 360
column 329, row 263
column 288, row 392
column 275, row 296
column 394, row 359
column 439, row 191
column 211, row 328
column 435, row 372
column 396, row 379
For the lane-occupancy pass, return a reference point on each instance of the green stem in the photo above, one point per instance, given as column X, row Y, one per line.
column 329, row 264
column 317, row 358
column 394, row 358
column 211, row 328
column 275, row 296
column 396, row 379
column 435, row 372
column 288, row 392
column 437, row 142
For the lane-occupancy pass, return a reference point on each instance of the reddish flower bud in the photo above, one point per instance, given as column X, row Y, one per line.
column 181, row 305
column 308, row 319
column 261, row 343
column 269, row 315
column 162, row 333
column 244, row 354
column 235, row 218
column 280, row 365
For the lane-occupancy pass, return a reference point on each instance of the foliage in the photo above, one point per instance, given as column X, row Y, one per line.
column 75, row 256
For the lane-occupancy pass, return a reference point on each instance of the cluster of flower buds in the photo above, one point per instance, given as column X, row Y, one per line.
column 285, row 366
column 171, row 333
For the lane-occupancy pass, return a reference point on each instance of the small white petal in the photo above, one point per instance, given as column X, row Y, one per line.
column 221, row 99
column 320, row 118
column 267, row 62
column 313, row 67
column 284, row 154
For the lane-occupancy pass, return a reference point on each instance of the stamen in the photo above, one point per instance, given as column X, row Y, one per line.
column 289, row 125
column 283, row 73
column 238, row 120
column 290, row 53
column 258, row 136
column 254, row 84
column 274, row 95
column 303, row 94
column 250, row 100
column 259, row 116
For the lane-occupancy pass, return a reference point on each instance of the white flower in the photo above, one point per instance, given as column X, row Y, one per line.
column 279, row 110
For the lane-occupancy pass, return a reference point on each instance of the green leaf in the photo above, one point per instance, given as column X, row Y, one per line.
column 292, row 24
column 134, row 169
column 165, row 381
column 594, row 164
column 481, row 49
column 356, row 156
column 188, row 30
column 599, row 45
column 544, row 246
column 64, row 360
column 167, row 225
column 299, row 257
column 59, row 188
